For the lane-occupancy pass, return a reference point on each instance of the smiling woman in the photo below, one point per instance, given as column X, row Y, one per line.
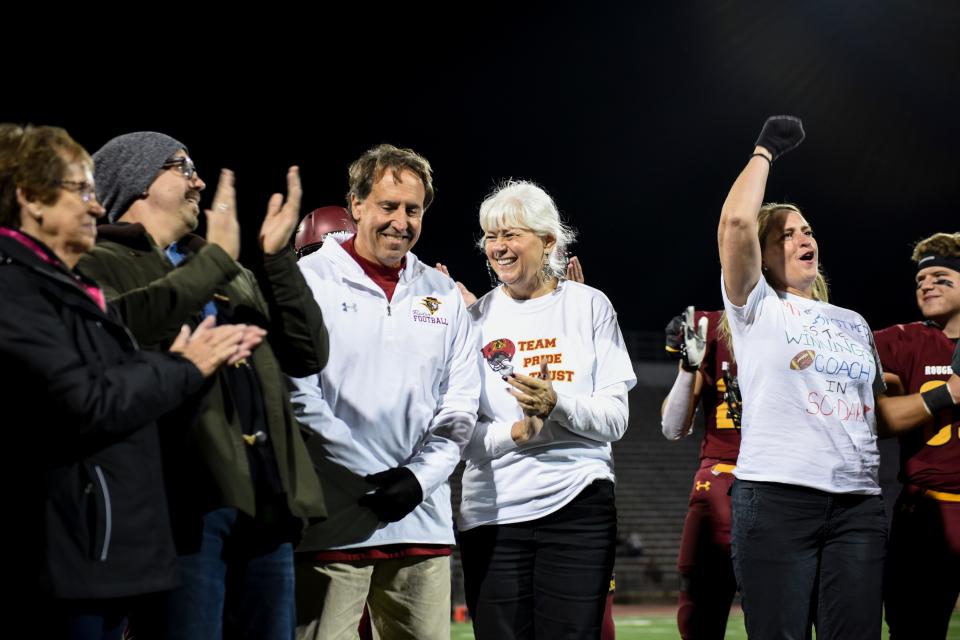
column 93, row 531
column 537, row 518
column 53, row 201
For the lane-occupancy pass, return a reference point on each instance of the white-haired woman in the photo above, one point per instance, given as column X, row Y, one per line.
column 537, row 517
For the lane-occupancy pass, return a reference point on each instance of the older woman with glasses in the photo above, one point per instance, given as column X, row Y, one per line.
column 93, row 532
column 537, row 517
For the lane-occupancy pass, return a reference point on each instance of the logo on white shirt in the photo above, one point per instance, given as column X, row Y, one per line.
column 499, row 354
column 431, row 303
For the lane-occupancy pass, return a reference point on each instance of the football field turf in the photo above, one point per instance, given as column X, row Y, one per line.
column 658, row 624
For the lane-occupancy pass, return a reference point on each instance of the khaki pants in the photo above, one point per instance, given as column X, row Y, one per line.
column 408, row 598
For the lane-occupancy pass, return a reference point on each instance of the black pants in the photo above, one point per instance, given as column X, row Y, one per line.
column 546, row 578
column 805, row 555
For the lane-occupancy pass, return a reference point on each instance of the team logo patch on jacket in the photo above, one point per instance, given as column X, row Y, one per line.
column 499, row 354
column 431, row 303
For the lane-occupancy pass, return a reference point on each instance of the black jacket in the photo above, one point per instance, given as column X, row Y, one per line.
column 207, row 467
column 89, row 510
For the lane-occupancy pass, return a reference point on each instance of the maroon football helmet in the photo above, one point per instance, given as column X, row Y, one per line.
column 320, row 223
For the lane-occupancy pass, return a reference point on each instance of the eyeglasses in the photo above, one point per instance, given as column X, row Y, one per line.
column 84, row 189
column 184, row 164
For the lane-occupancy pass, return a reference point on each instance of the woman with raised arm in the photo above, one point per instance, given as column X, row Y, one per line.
column 809, row 528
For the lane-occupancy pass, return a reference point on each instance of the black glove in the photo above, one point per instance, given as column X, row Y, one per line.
column 781, row 134
column 956, row 359
column 687, row 340
column 398, row 493
column 674, row 336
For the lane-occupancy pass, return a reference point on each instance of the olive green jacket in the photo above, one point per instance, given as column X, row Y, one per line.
column 155, row 298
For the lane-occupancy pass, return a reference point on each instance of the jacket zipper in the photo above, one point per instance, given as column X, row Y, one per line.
column 108, row 526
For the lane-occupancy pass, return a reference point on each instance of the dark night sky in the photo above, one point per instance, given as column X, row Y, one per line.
column 636, row 120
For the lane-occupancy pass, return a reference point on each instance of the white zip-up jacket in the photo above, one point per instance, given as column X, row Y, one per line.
column 400, row 388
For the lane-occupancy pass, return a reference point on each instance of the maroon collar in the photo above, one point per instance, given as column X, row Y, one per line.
column 386, row 278
column 370, row 267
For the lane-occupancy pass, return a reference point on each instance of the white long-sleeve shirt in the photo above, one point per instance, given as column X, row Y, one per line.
column 574, row 330
column 400, row 389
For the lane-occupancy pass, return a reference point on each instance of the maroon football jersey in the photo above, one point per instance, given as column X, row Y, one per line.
column 721, row 437
column 920, row 355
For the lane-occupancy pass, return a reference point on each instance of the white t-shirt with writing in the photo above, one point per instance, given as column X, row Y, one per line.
column 574, row 330
column 808, row 373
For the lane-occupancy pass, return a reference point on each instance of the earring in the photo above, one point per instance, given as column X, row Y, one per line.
column 494, row 280
column 545, row 267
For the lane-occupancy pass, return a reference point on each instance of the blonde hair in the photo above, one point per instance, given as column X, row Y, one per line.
column 820, row 289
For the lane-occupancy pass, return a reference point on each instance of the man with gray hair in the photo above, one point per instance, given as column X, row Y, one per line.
column 392, row 412
column 238, row 475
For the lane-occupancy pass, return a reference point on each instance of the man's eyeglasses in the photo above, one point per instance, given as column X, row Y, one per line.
column 84, row 189
column 184, row 164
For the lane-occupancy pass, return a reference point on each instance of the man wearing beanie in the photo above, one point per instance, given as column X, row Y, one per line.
column 239, row 479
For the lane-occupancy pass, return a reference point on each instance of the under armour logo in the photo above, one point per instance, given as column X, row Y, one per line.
column 349, row 307
column 702, row 486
